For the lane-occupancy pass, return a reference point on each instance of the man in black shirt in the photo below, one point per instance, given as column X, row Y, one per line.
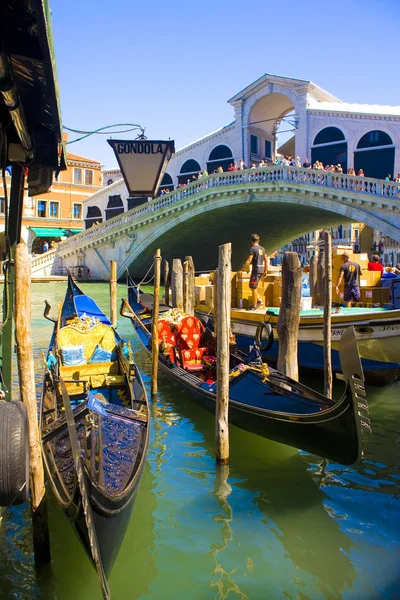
column 351, row 272
column 258, row 260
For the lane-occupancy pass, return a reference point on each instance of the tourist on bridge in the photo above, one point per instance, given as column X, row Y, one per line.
column 45, row 246
column 351, row 272
column 306, row 164
column 258, row 260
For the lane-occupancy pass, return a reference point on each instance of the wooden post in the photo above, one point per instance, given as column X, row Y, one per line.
column 313, row 279
column 166, row 281
column 328, row 316
column 289, row 315
column 224, row 323
column 215, row 301
column 113, row 292
column 177, row 284
column 188, row 286
column 154, row 323
column 41, row 542
column 321, row 274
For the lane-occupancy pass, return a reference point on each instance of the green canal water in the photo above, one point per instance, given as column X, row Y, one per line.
column 285, row 525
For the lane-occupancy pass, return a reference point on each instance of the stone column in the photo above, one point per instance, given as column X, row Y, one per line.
column 302, row 143
column 237, row 155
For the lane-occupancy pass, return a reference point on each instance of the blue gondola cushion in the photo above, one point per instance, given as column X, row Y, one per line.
column 72, row 356
column 101, row 355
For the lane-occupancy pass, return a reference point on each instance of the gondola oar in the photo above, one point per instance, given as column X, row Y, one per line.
column 87, row 509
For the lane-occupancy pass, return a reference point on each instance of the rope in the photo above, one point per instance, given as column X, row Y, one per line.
column 100, row 131
column 143, row 282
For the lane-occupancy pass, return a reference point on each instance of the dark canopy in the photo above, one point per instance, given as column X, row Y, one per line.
column 28, row 83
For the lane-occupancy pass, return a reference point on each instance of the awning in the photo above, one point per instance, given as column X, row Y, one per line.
column 74, row 231
column 49, row 232
column 26, row 41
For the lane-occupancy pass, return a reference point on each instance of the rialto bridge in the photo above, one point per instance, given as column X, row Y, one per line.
column 279, row 203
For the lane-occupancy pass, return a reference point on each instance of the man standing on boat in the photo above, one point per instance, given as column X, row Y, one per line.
column 351, row 272
column 258, row 260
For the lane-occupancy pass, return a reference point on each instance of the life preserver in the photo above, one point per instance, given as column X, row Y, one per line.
column 264, row 336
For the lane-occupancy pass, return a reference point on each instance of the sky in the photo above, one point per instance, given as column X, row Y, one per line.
column 170, row 67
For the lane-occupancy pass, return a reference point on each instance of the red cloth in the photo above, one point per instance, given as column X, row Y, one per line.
column 188, row 337
column 375, row 266
column 167, row 335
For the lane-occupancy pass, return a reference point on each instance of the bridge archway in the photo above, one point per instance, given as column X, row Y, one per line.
column 330, row 147
column 220, row 156
column 267, row 117
column 93, row 216
column 375, row 154
column 189, row 170
column 166, row 184
column 115, row 206
column 200, row 234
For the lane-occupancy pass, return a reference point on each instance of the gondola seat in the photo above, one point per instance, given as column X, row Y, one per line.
column 189, row 333
column 83, row 358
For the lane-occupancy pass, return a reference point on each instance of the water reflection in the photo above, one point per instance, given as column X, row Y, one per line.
column 222, row 581
column 291, row 503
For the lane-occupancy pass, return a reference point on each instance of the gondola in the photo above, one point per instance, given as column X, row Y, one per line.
column 261, row 399
column 94, row 425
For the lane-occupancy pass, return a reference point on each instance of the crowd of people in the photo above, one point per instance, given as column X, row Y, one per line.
column 289, row 161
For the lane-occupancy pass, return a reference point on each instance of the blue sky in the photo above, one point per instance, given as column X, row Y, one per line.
column 171, row 66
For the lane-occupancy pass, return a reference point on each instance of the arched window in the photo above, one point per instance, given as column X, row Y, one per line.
column 109, row 181
column 93, row 216
column 330, row 148
column 220, row 156
column 375, row 138
column 375, row 155
column 167, row 184
column 189, row 170
column 328, row 135
column 114, row 206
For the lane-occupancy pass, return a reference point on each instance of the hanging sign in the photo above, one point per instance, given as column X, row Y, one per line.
column 142, row 163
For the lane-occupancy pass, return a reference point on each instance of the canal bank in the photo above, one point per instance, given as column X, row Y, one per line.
column 292, row 524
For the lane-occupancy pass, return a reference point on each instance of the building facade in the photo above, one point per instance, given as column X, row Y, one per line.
column 58, row 213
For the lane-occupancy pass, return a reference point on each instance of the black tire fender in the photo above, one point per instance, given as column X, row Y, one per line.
column 264, row 336
column 14, row 453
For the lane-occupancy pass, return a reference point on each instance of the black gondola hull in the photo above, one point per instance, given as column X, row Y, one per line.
column 111, row 423
column 277, row 408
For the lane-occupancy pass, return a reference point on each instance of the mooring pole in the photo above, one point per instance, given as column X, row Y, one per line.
column 177, row 284
column 328, row 316
column 113, row 292
column 154, row 322
column 166, row 281
column 321, row 272
column 313, row 279
column 26, row 371
column 289, row 315
column 215, row 301
column 188, row 286
column 224, row 324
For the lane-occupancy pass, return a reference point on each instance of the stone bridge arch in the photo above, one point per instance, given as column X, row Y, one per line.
column 198, row 228
column 279, row 203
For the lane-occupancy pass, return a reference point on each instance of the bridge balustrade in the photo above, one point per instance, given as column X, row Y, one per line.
column 271, row 174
